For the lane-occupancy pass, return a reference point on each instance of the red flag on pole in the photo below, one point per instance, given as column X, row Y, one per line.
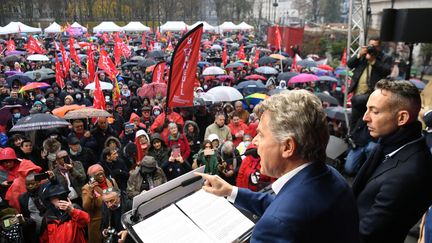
column 105, row 37
column 241, row 54
column 256, row 57
column 224, row 55
column 10, row 46
column 107, row 65
column 278, row 38
column 294, row 64
column 91, row 68
column 344, row 58
column 126, row 52
column 117, row 50
column 159, row 73
column 98, row 99
column 183, row 69
column 65, row 60
column 73, row 52
column 33, row 46
column 59, row 73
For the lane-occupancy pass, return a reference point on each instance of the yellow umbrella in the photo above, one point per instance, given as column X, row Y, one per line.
column 278, row 56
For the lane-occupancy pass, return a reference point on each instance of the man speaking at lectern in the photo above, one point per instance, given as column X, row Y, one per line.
column 313, row 202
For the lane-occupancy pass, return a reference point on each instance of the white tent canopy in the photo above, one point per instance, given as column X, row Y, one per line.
column 228, row 26
column 206, row 26
column 18, row 27
column 77, row 25
column 175, row 26
column 53, row 28
column 107, row 26
column 244, row 26
column 135, row 26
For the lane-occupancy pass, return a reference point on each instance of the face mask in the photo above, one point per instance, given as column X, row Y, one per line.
column 156, row 112
column 247, row 143
column 205, row 87
column 51, row 157
column 78, row 96
column 17, row 115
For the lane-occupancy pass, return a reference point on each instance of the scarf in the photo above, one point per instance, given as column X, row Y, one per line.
column 172, row 138
column 385, row 146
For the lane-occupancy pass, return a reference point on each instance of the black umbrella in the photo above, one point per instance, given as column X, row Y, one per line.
column 21, row 77
column 137, row 59
column 129, row 64
column 327, row 98
column 286, row 76
column 156, row 54
column 39, row 121
column 337, row 112
column 12, row 58
column 266, row 60
column 250, row 87
column 146, row 63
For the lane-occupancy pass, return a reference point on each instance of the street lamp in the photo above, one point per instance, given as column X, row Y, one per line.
column 275, row 5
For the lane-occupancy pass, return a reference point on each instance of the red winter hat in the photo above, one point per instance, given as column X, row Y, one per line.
column 7, row 154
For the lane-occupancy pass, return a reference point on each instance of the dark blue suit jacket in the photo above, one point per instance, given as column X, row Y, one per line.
column 316, row 205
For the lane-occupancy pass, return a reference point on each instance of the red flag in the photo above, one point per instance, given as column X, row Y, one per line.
column 73, row 52
column 213, row 39
column 59, row 73
column 105, row 37
column 10, row 46
column 294, row 64
column 91, row 68
column 278, row 38
column 143, row 41
column 65, row 59
column 117, row 50
column 183, row 69
column 150, row 48
column 224, row 55
column 107, row 65
column 33, row 46
column 126, row 52
column 344, row 58
column 256, row 57
column 241, row 54
column 98, row 99
column 158, row 73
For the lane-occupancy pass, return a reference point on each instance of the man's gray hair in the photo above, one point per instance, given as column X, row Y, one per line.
column 299, row 114
column 172, row 125
column 227, row 147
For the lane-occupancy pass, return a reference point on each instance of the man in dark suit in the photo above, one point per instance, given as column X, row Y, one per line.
column 393, row 188
column 313, row 202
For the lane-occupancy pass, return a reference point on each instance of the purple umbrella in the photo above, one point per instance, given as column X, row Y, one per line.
column 8, row 53
column 5, row 113
column 10, row 73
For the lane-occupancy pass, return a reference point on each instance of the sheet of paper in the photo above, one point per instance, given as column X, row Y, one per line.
column 216, row 216
column 169, row 225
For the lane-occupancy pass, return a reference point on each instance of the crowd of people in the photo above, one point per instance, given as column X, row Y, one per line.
column 73, row 183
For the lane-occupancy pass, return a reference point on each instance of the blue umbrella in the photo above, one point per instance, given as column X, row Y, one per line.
column 202, row 64
column 21, row 77
column 328, row 78
column 418, row 83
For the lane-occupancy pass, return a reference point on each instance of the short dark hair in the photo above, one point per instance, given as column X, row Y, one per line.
column 406, row 95
column 375, row 38
column 26, row 140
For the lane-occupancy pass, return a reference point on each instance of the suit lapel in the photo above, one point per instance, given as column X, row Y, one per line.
column 386, row 165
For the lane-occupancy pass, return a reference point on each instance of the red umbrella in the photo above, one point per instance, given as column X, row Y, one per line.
column 34, row 85
column 255, row 77
column 325, row 67
column 152, row 90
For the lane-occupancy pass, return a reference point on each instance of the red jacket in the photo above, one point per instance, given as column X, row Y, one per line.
column 160, row 120
column 182, row 143
column 71, row 231
column 235, row 129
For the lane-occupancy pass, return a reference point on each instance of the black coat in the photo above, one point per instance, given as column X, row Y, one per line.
column 86, row 157
column 396, row 196
column 380, row 70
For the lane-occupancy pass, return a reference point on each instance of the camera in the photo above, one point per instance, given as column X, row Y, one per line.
column 371, row 50
column 111, row 233
column 41, row 176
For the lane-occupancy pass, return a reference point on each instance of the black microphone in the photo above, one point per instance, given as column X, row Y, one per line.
column 253, row 152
